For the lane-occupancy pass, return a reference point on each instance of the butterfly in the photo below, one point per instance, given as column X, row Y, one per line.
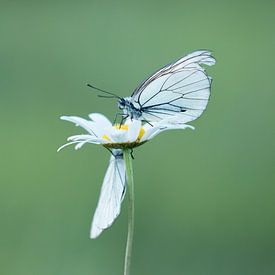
column 179, row 91
column 181, row 88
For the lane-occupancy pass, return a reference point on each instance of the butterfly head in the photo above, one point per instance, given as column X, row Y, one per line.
column 121, row 103
column 128, row 108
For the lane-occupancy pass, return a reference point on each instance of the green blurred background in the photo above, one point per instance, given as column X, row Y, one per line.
column 204, row 198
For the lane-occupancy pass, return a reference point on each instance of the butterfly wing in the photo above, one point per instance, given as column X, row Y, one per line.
column 111, row 195
column 181, row 87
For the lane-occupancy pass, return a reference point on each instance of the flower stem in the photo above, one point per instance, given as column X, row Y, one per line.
column 131, row 210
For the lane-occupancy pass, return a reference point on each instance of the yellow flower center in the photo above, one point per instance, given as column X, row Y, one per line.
column 121, row 127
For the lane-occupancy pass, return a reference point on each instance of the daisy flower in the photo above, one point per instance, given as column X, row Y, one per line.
column 120, row 140
column 115, row 138
column 131, row 134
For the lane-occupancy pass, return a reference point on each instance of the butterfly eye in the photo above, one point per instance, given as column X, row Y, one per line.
column 121, row 103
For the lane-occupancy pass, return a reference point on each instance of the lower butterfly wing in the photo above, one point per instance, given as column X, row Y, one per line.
column 111, row 195
column 182, row 87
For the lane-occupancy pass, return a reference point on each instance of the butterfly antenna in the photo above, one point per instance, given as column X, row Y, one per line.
column 107, row 96
column 112, row 95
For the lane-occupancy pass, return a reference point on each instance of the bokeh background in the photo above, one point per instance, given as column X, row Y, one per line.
column 204, row 198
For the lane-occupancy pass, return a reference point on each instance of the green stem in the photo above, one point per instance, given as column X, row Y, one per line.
column 131, row 210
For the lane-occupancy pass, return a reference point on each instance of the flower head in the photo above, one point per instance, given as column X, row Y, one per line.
column 131, row 134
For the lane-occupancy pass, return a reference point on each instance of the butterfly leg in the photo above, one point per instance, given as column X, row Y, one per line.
column 147, row 122
column 123, row 118
column 117, row 114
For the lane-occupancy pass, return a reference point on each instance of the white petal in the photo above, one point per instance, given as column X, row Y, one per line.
column 149, row 131
column 80, row 144
column 133, row 131
column 89, row 126
column 88, row 138
column 118, row 136
column 81, row 140
column 111, row 196
column 171, row 127
column 65, row 145
column 101, row 120
column 162, row 126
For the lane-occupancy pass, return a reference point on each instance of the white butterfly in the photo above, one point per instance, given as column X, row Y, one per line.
column 181, row 88
column 111, row 194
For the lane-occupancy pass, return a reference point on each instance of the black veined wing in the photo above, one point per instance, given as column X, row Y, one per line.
column 180, row 88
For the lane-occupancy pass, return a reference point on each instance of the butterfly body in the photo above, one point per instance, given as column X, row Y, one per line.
column 129, row 109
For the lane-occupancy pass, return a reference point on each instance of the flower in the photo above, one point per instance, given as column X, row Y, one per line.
column 115, row 138
column 131, row 134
